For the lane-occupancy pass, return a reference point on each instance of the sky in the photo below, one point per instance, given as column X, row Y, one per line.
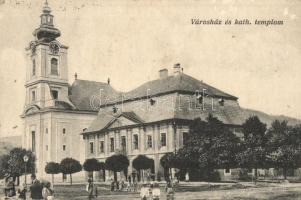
column 130, row 41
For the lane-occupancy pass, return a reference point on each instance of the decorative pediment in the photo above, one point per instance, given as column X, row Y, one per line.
column 120, row 122
column 124, row 119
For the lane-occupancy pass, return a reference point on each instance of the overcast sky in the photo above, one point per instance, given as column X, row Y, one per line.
column 129, row 41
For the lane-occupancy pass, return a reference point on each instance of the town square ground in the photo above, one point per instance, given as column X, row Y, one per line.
column 194, row 191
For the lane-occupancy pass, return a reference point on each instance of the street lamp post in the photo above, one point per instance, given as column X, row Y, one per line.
column 25, row 159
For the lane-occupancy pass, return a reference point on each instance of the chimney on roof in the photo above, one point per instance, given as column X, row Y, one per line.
column 163, row 73
column 75, row 76
column 177, row 69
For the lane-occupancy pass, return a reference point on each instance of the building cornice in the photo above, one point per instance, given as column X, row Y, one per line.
column 46, row 81
column 158, row 95
column 46, row 110
column 177, row 121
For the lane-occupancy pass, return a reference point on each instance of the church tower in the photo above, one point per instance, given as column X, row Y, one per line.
column 46, row 87
column 47, row 69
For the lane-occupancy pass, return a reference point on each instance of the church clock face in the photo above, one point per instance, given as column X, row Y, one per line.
column 54, row 48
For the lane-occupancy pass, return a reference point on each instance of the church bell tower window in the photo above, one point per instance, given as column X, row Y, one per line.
column 54, row 67
column 33, row 96
column 33, row 67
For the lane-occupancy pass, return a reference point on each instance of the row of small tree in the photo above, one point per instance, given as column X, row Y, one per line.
column 115, row 163
column 212, row 145
column 67, row 166
column 13, row 164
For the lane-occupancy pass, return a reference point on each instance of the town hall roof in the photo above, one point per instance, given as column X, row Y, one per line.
column 180, row 83
column 229, row 114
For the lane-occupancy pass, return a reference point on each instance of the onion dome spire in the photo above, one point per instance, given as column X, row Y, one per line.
column 46, row 32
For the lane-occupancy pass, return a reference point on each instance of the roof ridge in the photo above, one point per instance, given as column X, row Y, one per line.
column 92, row 81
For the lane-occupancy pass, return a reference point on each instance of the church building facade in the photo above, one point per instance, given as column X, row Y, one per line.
column 55, row 113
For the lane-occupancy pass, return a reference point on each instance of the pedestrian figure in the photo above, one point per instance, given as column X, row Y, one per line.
column 122, row 185
column 92, row 189
column 144, row 192
column 10, row 190
column 135, row 185
column 130, row 183
column 47, row 192
column 22, row 192
column 156, row 192
column 35, row 188
column 117, row 186
column 169, row 191
column 112, row 185
column 150, row 189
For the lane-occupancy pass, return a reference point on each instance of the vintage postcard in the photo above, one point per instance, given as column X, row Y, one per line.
column 143, row 99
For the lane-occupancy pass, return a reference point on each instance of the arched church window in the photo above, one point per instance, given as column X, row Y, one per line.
column 54, row 66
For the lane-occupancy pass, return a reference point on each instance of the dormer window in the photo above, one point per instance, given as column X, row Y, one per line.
column 115, row 109
column 221, row 101
column 152, row 102
column 55, row 94
column 200, row 99
column 54, row 67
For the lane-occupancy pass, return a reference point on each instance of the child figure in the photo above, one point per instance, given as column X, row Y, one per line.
column 144, row 192
column 22, row 192
column 112, row 185
column 47, row 192
column 169, row 191
column 156, row 192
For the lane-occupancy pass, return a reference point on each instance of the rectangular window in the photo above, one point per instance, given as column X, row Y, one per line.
column 136, row 142
column 91, row 147
column 149, row 141
column 163, row 139
column 33, row 96
column 33, row 141
column 54, row 66
column 123, row 143
column 112, row 145
column 64, row 147
column 185, row 138
column 64, row 131
column 46, row 130
column 227, row 171
column 46, row 147
column 55, row 94
column 101, row 147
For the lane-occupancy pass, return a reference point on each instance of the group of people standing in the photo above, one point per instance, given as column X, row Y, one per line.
column 152, row 191
column 130, row 185
column 38, row 190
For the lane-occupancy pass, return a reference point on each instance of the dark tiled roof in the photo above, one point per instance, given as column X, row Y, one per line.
column 181, row 82
column 230, row 113
column 100, row 122
column 132, row 116
column 86, row 95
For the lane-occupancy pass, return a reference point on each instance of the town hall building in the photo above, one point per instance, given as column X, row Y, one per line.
column 88, row 119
